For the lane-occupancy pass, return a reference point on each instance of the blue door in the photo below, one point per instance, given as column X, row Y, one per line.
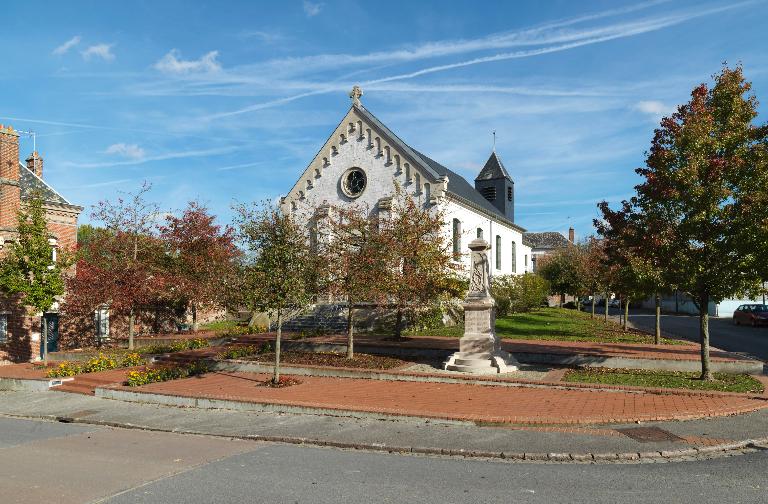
column 52, row 321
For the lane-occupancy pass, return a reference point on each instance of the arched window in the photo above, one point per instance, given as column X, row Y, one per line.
column 526, row 262
column 456, row 238
column 427, row 192
column 498, row 252
column 480, row 233
column 417, row 180
column 514, row 258
column 407, row 173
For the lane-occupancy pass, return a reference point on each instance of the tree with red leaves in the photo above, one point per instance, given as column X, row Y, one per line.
column 122, row 266
column 706, row 193
column 356, row 254
column 201, row 258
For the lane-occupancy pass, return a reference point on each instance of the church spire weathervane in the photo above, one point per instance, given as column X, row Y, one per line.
column 494, row 140
column 355, row 94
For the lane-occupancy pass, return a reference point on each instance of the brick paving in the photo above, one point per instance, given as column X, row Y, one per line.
column 505, row 405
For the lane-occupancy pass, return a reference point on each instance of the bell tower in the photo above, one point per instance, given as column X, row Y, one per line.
column 495, row 184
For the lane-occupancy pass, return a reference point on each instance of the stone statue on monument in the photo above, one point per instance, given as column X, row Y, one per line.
column 480, row 349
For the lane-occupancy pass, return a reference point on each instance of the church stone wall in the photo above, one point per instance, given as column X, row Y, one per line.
column 470, row 221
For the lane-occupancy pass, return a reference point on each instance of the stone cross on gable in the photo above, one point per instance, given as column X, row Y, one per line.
column 355, row 94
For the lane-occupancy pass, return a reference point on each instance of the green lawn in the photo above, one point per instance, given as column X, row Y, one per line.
column 665, row 379
column 555, row 324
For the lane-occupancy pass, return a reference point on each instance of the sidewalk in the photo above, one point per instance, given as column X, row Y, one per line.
column 653, row 442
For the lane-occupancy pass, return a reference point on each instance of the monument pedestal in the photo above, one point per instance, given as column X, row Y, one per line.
column 479, row 349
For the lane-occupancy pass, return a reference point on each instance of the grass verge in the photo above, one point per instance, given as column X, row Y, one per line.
column 723, row 382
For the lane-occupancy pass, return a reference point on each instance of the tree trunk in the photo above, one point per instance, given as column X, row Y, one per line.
column 131, row 323
column 44, row 339
column 606, row 307
column 194, row 318
column 350, row 332
column 626, row 313
column 562, row 299
column 398, row 324
column 657, row 334
column 276, row 377
column 593, row 305
column 706, row 372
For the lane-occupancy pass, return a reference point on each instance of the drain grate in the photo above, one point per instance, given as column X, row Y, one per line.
column 651, row 435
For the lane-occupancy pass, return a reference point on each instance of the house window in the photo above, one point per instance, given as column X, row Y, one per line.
column 498, row 252
column 514, row 257
column 456, row 238
column 480, row 233
column 101, row 323
column 3, row 328
column 488, row 193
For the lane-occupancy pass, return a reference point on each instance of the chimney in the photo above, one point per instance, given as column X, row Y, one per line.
column 571, row 235
column 10, row 197
column 35, row 164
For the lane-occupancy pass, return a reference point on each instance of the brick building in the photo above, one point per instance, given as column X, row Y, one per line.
column 19, row 182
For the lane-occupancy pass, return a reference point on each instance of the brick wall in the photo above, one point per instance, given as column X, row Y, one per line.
column 9, row 177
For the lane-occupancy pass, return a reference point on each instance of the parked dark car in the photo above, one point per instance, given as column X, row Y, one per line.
column 751, row 314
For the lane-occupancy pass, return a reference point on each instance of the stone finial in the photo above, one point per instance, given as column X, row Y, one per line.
column 355, row 95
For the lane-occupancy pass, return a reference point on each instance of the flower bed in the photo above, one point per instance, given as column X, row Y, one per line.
column 95, row 364
column 161, row 374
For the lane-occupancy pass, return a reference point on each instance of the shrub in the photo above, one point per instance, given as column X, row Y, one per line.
column 176, row 346
column 132, row 360
column 431, row 318
column 518, row 293
column 154, row 375
column 240, row 351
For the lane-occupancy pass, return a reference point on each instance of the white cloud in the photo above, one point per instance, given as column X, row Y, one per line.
column 131, row 151
column 103, row 51
column 653, row 108
column 160, row 157
column 66, row 46
column 312, row 9
column 172, row 64
column 267, row 37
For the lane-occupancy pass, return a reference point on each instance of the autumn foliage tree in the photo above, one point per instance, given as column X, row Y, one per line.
column 354, row 246
column 418, row 258
column 706, row 180
column 279, row 275
column 201, row 258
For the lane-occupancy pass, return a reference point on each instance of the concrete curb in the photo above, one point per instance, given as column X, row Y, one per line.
column 727, row 449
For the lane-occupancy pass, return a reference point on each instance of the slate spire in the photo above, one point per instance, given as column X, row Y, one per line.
column 494, row 184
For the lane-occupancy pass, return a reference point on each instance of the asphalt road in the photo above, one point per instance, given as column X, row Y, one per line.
column 64, row 463
column 751, row 341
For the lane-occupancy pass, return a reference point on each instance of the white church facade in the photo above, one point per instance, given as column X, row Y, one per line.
column 362, row 162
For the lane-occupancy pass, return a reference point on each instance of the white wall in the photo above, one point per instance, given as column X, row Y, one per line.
column 471, row 221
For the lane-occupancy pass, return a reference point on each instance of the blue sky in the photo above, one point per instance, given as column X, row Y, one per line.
column 229, row 101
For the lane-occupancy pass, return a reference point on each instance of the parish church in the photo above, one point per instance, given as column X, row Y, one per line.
column 363, row 160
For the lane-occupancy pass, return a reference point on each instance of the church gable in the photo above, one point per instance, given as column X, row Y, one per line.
column 360, row 162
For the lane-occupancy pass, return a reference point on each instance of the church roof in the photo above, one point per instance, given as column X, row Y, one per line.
column 546, row 240
column 457, row 185
column 493, row 169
